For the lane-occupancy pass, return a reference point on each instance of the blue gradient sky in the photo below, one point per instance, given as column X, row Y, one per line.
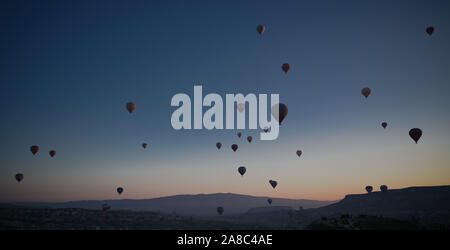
column 69, row 67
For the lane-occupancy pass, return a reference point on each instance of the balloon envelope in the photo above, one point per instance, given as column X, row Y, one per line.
column 384, row 125
column 273, row 183
column 242, row 170
column 34, row 149
column 369, row 189
column 286, row 67
column 366, row 92
column 239, row 134
column 144, row 145
column 220, row 210
column 131, row 106
column 279, row 111
column 19, row 177
column 430, row 30
column 218, row 145
column 383, row 188
column 234, row 147
column 260, row 29
column 249, row 139
column 299, row 152
column 52, row 153
column 241, row 107
column 415, row 134
column 119, row 190
column 269, row 200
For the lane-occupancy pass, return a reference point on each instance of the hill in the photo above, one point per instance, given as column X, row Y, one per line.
column 421, row 202
column 408, row 208
column 427, row 207
column 188, row 205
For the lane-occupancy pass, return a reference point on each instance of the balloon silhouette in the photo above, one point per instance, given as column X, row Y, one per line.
column 241, row 107
column 384, row 125
column 299, row 152
column 249, row 139
column 19, row 177
column 366, row 92
column 220, row 210
column 218, row 145
column 383, row 188
column 234, row 147
column 430, row 30
column 279, row 111
column 369, row 189
column 34, row 149
column 415, row 134
column 52, row 153
column 286, row 67
column 273, row 183
column 260, row 29
column 242, row 170
column 119, row 190
column 131, row 106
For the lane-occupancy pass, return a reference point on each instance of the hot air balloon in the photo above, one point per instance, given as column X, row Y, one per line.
column 273, row 183
column 241, row 107
column 144, row 145
column 242, row 170
column 430, row 30
column 220, row 210
column 266, row 129
column 286, row 67
column 365, row 92
column 260, row 29
column 131, row 106
column 415, row 134
column 106, row 207
column 249, row 139
column 280, row 112
column 384, row 125
column 369, row 189
column 19, row 177
column 52, row 153
column 234, row 147
column 299, row 152
column 34, row 149
column 119, row 190
column 239, row 134
column 218, row 145
column 383, row 188
column 269, row 200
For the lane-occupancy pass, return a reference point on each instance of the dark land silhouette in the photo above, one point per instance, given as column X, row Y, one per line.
column 189, row 205
column 413, row 208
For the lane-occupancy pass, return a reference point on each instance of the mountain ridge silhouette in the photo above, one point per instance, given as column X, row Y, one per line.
column 185, row 204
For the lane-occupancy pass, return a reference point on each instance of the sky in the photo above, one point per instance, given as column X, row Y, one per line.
column 68, row 68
